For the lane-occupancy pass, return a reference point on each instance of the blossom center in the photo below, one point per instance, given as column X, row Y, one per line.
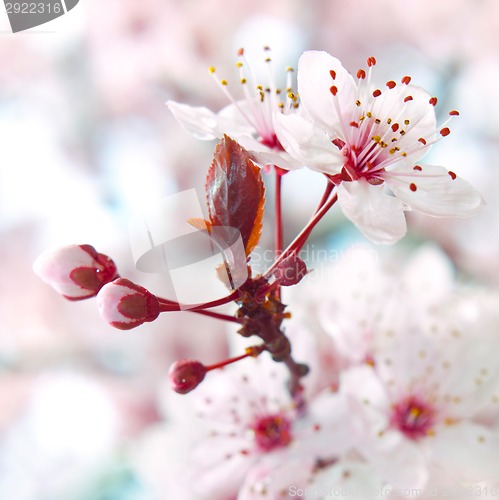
column 261, row 102
column 272, row 432
column 413, row 417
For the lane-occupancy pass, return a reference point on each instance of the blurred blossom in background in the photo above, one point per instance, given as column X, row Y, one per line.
column 86, row 141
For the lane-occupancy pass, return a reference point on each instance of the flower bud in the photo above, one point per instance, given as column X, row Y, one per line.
column 290, row 271
column 75, row 271
column 186, row 374
column 126, row 305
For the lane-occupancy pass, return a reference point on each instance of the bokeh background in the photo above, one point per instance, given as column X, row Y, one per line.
column 86, row 141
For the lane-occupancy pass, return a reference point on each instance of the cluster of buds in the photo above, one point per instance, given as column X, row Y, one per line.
column 79, row 272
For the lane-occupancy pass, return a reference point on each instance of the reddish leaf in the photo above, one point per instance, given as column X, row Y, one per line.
column 235, row 192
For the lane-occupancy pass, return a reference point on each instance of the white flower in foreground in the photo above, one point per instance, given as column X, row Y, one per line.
column 250, row 121
column 364, row 139
column 75, row 271
column 250, row 426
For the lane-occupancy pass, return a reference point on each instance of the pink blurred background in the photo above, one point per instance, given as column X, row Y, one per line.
column 86, row 141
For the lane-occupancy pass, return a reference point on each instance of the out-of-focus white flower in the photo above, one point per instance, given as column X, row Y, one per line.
column 430, row 377
column 251, row 120
column 247, row 419
column 364, row 139
column 125, row 305
column 75, row 271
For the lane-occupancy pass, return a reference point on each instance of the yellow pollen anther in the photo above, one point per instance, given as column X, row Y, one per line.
column 239, row 64
column 357, row 102
column 243, row 80
column 211, row 69
column 291, row 95
column 224, row 82
column 376, row 138
column 289, row 68
column 369, row 114
column 415, row 412
column 406, row 122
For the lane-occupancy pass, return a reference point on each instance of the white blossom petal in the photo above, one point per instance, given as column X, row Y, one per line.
column 434, row 191
column 314, row 83
column 379, row 216
column 198, row 120
column 470, row 449
column 308, row 144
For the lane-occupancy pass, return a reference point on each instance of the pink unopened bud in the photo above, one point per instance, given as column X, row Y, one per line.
column 126, row 305
column 290, row 271
column 186, row 374
column 75, row 271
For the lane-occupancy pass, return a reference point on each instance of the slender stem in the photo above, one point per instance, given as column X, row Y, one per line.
column 279, row 229
column 301, row 239
column 213, row 314
column 251, row 352
column 278, row 214
column 170, row 305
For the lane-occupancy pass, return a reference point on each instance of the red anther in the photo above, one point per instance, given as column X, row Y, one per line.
column 418, row 168
column 395, row 127
column 422, row 140
column 408, row 98
column 391, row 84
column 361, row 74
column 445, row 131
column 354, row 124
column 333, row 90
column 452, row 174
column 406, row 80
column 377, row 93
column 186, row 374
column 433, row 101
column 240, row 52
column 454, row 112
column 413, row 187
column 332, row 72
column 371, row 61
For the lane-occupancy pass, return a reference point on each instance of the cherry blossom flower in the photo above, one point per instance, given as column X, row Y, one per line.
column 425, row 373
column 251, row 120
column 249, row 426
column 75, row 271
column 125, row 305
column 365, row 140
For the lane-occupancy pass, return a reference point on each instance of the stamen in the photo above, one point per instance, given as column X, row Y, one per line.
column 433, row 101
column 361, row 74
column 454, row 113
column 408, row 98
column 377, row 93
column 413, row 187
column 391, row 84
column 445, row 131
column 406, row 80
column 371, row 61
column 453, row 175
column 333, row 89
column 333, row 74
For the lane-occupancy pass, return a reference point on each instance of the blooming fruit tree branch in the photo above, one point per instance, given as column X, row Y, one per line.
column 368, row 144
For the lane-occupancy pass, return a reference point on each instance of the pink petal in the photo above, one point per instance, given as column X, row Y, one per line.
column 199, row 121
column 314, row 83
column 379, row 217
column 434, row 191
column 308, row 144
